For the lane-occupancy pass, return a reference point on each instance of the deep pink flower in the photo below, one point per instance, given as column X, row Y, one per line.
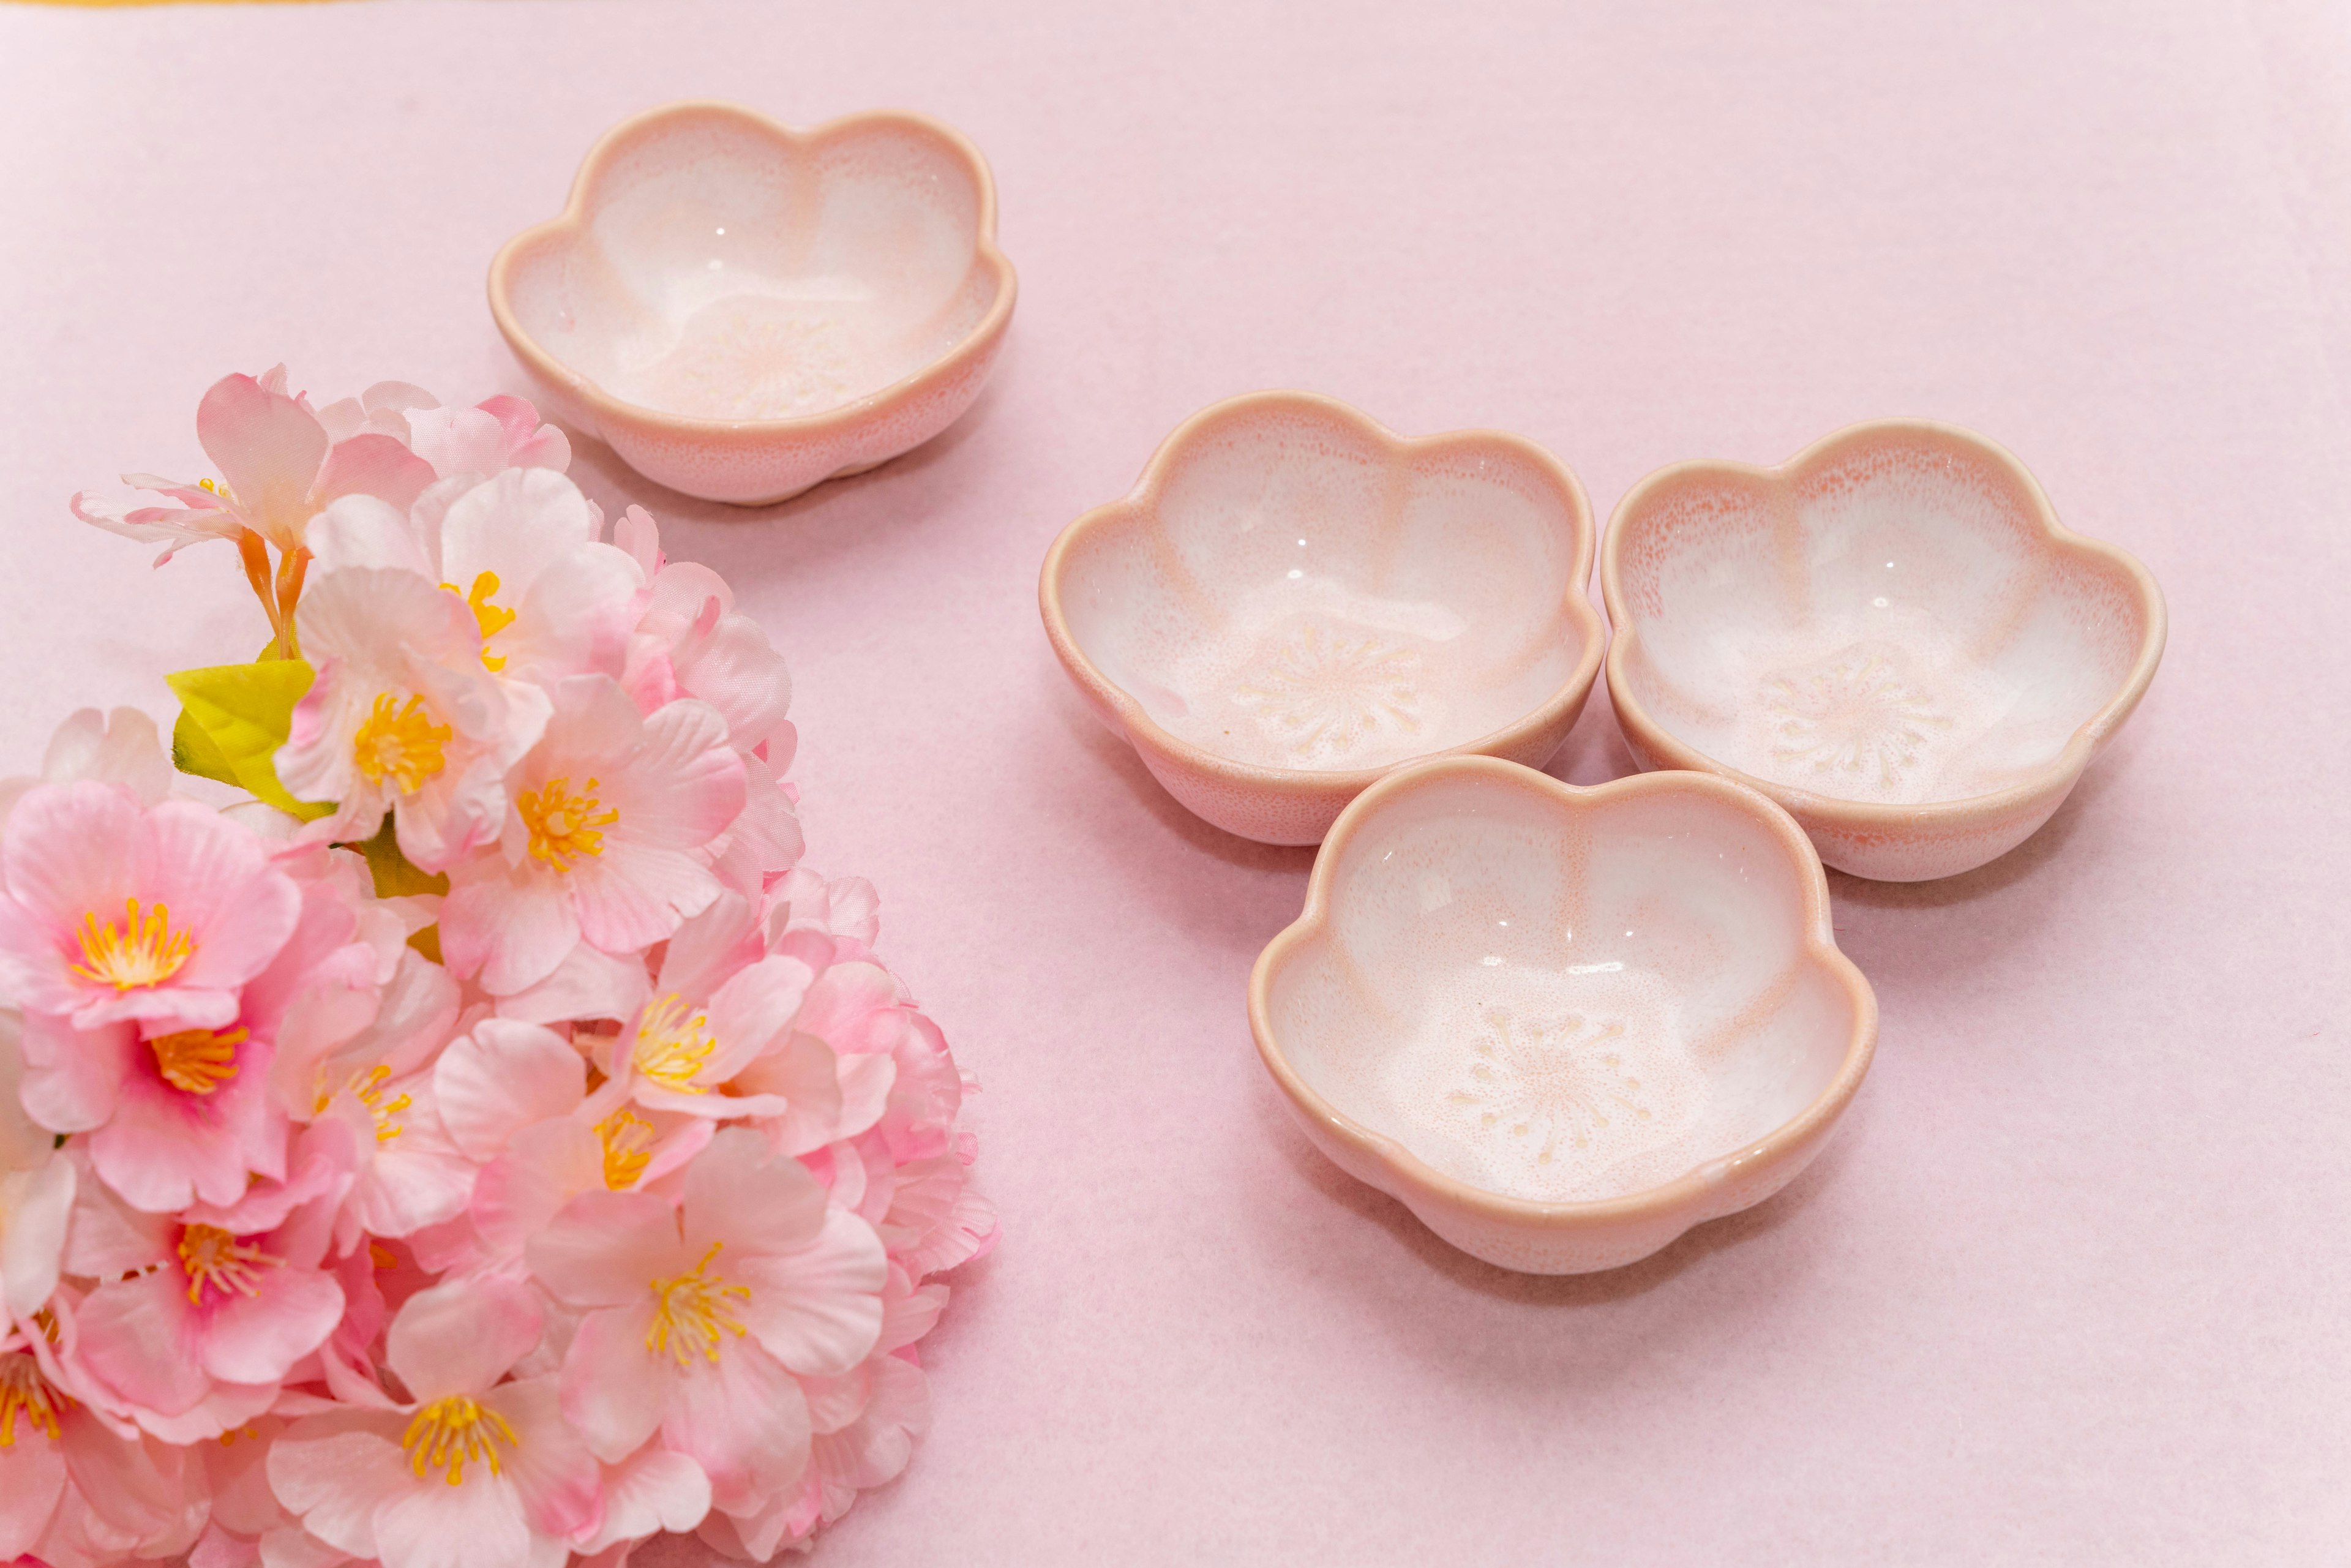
column 113, row 911
column 201, row 1316
column 176, row 1115
column 75, row 1490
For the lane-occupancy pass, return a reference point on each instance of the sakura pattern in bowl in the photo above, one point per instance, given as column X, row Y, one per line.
column 1293, row 600
column 1562, row 1025
column 1891, row 635
column 742, row 310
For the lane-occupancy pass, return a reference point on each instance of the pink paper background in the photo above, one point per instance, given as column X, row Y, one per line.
column 2070, row 1287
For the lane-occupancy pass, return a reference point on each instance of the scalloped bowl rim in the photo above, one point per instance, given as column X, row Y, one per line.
column 1835, row 813
column 573, row 219
column 1687, row 1191
column 1142, row 501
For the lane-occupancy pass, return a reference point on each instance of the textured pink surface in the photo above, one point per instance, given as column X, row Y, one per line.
column 2070, row 1284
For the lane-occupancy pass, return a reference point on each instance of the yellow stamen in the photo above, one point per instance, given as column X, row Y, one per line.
column 197, row 1061
column 628, row 1147
column 22, row 1387
column 671, row 1047
column 692, row 1312
column 449, row 1432
column 216, row 487
column 563, row 825
column 403, row 742
column 143, row 951
column 366, row 1086
column 490, row 618
column 234, row 1433
column 382, row 1257
column 211, row 1256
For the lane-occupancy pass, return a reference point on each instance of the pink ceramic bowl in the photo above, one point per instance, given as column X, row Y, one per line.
column 1562, row 1026
column 1292, row 601
column 743, row 311
column 1890, row 634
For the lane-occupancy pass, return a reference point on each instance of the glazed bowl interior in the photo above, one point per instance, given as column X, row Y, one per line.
column 1297, row 592
column 1555, row 1003
column 1895, row 624
column 727, row 271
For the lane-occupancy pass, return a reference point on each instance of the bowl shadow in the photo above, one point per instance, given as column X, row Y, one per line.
column 2027, row 860
column 1112, row 753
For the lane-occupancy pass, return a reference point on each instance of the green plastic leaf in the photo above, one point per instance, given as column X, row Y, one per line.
column 193, row 751
column 243, row 712
column 395, row 875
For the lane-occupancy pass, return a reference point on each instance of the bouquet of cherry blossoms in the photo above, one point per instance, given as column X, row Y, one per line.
column 478, row 1140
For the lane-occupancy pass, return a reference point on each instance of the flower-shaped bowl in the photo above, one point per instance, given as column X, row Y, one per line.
column 742, row 310
column 1563, row 1025
column 1292, row 601
column 1890, row 634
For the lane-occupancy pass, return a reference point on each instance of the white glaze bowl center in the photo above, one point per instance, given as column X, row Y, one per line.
column 1547, row 1084
column 1892, row 628
column 1302, row 599
column 1563, row 1005
column 720, row 280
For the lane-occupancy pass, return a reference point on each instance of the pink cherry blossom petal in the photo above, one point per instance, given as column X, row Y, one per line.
column 739, row 1193
column 503, row 1077
column 35, row 1206
column 744, row 1420
column 73, row 1077
column 431, row 1524
column 372, row 464
column 514, row 525
column 874, row 1448
column 632, row 895
column 461, row 1337
column 32, row 1479
column 752, row 1011
column 519, row 1192
column 803, row 1072
column 687, row 781
column 817, row 1308
column 139, row 1336
column 589, row 983
column 258, row 1338
column 604, row 1246
column 117, row 748
column 268, row 448
column 335, row 1470
column 651, row 1491
column 866, row 1081
column 163, row 1149
column 574, row 618
column 366, row 531
column 511, row 927
column 551, row 1470
column 615, row 1385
